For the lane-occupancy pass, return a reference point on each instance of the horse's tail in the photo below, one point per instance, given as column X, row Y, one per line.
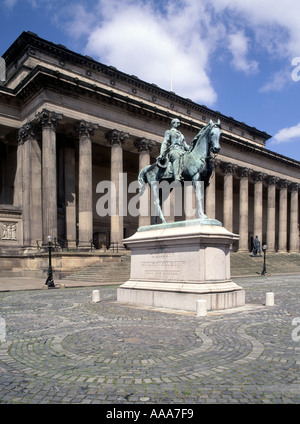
column 142, row 180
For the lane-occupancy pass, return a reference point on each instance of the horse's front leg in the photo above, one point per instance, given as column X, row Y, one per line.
column 199, row 192
column 157, row 204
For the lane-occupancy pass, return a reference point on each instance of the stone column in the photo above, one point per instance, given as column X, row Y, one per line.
column 24, row 135
column 282, row 237
column 294, row 225
column 228, row 169
column 258, row 205
column 36, row 191
column 18, row 182
column 85, row 131
column 144, row 147
column 271, row 212
column 117, row 139
column 31, row 187
column 49, row 121
column 70, row 196
column 243, row 220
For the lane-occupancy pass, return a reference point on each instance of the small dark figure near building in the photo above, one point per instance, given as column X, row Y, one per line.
column 256, row 247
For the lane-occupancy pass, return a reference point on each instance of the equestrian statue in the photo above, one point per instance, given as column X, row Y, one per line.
column 180, row 162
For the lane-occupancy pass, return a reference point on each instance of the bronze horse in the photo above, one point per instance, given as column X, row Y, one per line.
column 196, row 167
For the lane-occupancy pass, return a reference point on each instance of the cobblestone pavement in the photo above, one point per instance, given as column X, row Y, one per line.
column 60, row 347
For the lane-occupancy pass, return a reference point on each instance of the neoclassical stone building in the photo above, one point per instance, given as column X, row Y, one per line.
column 68, row 122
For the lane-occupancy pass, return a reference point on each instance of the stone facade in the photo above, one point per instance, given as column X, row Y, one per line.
column 68, row 122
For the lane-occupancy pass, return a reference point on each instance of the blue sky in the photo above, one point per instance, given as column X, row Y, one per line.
column 239, row 57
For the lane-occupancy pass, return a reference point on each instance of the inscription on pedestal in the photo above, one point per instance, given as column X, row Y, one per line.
column 162, row 266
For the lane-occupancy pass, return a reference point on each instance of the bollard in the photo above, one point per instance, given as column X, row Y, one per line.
column 96, row 296
column 201, row 309
column 270, row 299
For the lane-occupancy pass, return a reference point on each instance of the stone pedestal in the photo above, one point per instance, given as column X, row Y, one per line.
column 174, row 265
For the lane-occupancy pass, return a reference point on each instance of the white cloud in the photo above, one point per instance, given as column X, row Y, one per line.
column 276, row 23
column 141, row 40
column 286, row 135
column 239, row 46
column 136, row 37
column 275, row 30
column 80, row 21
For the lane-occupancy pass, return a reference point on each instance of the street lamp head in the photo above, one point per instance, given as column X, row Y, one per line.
column 265, row 247
column 49, row 239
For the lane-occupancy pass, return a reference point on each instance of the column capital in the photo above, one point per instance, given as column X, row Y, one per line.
column 271, row 180
column 116, row 137
column 228, row 168
column 144, row 145
column 26, row 132
column 282, row 184
column 258, row 176
column 86, row 129
column 294, row 186
column 244, row 172
column 49, row 119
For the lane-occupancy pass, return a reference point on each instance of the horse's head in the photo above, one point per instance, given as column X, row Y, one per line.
column 215, row 133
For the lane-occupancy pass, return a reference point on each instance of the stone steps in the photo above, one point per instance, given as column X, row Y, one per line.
column 276, row 263
column 114, row 272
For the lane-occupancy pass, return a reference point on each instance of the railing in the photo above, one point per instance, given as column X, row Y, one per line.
column 114, row 245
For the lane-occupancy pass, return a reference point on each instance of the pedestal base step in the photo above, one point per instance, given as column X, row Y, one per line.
column 180, row 300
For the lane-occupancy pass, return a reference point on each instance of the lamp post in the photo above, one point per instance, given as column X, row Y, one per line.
column 264, row 248
column 49, row 281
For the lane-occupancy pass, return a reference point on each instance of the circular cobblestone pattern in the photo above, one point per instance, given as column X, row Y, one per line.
column 60, row 347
